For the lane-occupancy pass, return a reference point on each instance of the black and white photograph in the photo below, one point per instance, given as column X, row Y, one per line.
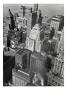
column 33, row 45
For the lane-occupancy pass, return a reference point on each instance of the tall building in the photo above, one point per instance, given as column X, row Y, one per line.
column 35, row 39
column 56, row 76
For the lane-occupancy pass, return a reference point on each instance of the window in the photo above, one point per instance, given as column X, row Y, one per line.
column 24, row 61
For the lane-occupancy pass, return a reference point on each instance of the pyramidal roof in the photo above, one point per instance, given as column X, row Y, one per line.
column 34, row 32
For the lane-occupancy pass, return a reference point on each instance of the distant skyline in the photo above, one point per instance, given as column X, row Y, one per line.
column 47, row 9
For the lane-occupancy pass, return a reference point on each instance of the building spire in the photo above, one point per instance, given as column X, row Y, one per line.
column 35, row 7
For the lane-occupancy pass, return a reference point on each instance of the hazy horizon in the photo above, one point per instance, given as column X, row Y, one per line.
column 47, row 9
